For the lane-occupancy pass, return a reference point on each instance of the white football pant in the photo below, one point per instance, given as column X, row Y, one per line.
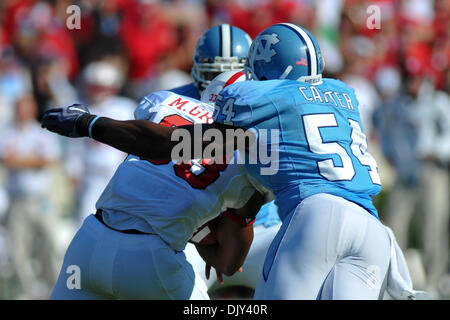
column 101, row 263
column 327, row 248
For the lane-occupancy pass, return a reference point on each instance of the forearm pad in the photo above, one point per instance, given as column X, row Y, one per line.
column 85, row 122
column 82, row 124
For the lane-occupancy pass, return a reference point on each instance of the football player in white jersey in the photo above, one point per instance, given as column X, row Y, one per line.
column 132, row 248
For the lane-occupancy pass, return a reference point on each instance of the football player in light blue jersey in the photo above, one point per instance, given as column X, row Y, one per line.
column 321, row 145
column 331, row 244
column 223, row 48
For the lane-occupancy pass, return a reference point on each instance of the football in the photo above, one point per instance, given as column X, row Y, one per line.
column 206, row 234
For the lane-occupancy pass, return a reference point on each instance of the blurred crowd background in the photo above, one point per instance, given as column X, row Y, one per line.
column 125, row 49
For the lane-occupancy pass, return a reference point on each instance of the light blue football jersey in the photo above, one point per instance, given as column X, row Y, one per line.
column 316, row 134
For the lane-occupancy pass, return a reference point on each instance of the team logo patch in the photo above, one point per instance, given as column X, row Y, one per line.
column 262, row 49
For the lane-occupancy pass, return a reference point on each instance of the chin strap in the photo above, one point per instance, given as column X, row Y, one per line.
column 85, row 126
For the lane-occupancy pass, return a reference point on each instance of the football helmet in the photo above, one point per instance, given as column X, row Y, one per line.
column 221, row 48
column 210, row 94
column 285, row 51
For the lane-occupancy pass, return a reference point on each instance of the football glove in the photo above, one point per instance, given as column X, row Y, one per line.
column 72, row 121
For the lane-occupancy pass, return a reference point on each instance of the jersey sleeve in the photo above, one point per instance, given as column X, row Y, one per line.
column 150, row 105
column 232, row 107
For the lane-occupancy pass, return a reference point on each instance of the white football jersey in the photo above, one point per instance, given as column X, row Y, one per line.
column 167, row 198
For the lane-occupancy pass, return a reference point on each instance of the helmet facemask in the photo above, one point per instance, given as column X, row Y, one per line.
column 204, row 72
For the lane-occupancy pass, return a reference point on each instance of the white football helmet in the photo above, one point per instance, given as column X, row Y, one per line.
column 209, row 95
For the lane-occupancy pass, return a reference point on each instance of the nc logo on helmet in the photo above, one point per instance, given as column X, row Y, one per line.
column 262, row 49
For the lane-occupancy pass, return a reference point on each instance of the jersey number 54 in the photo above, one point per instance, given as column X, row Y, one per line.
column 313, row 122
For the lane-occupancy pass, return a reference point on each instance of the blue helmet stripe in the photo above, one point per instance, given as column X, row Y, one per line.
column 231, row 41
column 226, row 40
column 311, row 52
column 220, row 41
column 308, row 53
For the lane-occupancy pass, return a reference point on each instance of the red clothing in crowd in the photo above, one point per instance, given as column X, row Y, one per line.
column 13, row 11
column 255, row 19
column 147, row 36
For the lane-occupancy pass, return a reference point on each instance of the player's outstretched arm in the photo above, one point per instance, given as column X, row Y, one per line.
column 234, row 235
column 139, row 137
column 149, row 140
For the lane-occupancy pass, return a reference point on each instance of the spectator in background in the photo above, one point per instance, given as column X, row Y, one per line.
column 355, row 74
column 52, row 85
column 434, row 149
column 254, row 16
column 415, row 134
column 99, row 31
column 173, row 70
column 148, row 36
column 397, row 122
column 39, row 34
column 28, row 152
column 15, row 79
column 37, row 31
column 91, row 164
